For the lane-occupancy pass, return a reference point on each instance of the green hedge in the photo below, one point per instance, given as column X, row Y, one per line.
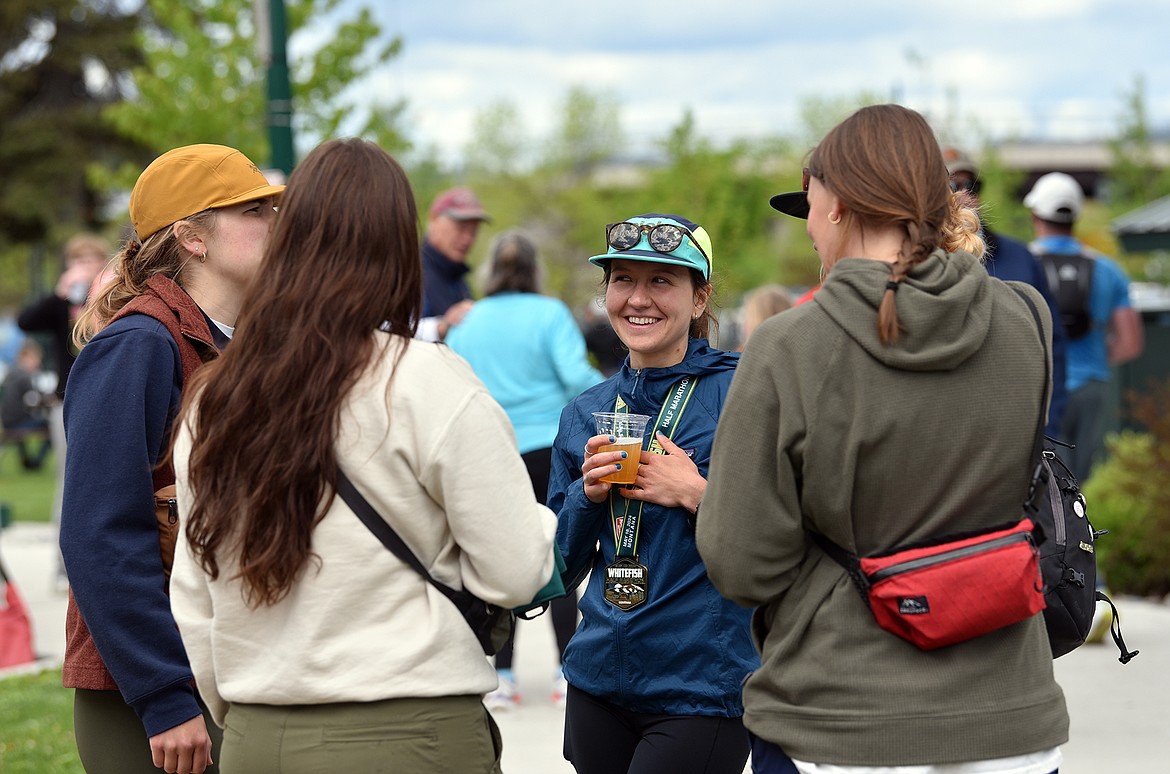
column 1127, row 496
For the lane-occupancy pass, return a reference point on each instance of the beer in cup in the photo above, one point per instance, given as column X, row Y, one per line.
column 627, row 430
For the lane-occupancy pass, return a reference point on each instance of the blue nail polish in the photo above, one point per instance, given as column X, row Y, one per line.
column 624, row 455
column 619, row 466
column 612, row 439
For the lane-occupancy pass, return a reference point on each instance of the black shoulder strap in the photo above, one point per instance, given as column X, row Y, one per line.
column 382, row 530
column 847, row 560
column 1039, row 475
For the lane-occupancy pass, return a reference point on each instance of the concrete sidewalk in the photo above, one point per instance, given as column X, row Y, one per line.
column 1119, row 713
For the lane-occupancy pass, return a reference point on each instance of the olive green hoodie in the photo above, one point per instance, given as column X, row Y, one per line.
column 877, row 446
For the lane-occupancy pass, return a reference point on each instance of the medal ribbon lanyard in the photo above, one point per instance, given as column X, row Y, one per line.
column 625, row 527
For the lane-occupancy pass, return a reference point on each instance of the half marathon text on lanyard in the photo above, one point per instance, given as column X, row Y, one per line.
column 626, row 580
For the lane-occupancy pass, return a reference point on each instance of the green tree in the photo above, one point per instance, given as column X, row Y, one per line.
column 61, row 61
column 726, row 190
column 820, row 114
column 498, row 142
column 202, row 80
column 589, row 132
column 1135, row 178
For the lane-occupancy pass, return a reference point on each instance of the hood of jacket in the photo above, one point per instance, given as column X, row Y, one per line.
column 944, row 309
column 645, row 388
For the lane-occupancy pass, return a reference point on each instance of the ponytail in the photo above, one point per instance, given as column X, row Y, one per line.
column 962, row 229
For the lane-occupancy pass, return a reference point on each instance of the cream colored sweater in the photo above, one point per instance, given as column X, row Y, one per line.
column 440, row 464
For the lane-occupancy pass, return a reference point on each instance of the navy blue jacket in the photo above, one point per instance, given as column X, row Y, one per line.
column 444, row 281
column 124, row 392
column 686, row 650
column 1010, row 259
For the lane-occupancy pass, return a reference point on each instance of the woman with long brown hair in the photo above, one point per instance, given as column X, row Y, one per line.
column 311, row 643
column 201, row 215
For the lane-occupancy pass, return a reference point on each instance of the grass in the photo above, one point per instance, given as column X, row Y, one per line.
column 36, row 726
column 36, row 713
column 27, row 493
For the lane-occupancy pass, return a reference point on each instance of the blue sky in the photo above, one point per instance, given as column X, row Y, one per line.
column 1056, row 69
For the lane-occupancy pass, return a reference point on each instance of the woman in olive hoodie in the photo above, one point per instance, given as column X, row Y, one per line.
column 899, row 405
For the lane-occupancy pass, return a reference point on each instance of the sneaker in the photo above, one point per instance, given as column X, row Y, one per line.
column 506, row 695
column 560, row 690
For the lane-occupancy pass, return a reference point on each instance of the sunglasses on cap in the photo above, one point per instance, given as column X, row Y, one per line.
column 664, row 237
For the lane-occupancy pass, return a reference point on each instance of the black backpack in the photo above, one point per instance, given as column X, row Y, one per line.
column 1070, row 278
column 1068, row 558
column 1068, row 551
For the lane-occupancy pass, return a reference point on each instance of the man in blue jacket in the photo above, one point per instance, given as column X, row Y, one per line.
column 1010, row 259
column 452, row 225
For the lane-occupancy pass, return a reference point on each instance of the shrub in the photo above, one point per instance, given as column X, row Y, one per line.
column 1125, row 496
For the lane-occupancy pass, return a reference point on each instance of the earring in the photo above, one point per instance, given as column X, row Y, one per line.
column 203, row 257
column 834, row 218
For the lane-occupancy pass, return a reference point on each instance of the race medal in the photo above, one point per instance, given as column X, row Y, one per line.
column 625, row 583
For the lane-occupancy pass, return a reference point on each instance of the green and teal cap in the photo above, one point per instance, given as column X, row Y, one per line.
column 694, row 252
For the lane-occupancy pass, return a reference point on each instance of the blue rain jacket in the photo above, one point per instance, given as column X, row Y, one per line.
column 685, row 650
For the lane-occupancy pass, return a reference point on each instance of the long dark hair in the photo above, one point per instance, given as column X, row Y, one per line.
column 341, row 261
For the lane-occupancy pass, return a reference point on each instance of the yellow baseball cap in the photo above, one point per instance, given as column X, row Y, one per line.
column 191, row 179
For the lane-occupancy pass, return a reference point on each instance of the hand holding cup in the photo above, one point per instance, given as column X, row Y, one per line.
column 617, row 447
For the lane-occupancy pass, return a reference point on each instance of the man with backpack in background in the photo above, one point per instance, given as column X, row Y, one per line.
column 1009, row 260
column 1102, row 327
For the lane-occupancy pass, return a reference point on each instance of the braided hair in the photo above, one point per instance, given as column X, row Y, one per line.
column 884, row 164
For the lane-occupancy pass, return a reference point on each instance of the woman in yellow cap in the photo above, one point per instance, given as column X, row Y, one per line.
column 201, row 216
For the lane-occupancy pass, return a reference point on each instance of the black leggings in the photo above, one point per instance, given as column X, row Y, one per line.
column 564, row 610
column 601, row 738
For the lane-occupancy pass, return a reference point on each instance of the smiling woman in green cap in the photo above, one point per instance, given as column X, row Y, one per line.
column 201, row 215
column 655, row 666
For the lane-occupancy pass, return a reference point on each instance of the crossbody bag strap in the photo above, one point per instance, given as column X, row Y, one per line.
column 382, row 529
column 847, row 560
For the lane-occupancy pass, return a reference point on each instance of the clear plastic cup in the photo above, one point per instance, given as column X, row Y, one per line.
column 628, row 431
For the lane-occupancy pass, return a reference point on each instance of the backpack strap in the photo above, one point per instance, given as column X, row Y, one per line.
column 1039, row 482
column 1115, row 630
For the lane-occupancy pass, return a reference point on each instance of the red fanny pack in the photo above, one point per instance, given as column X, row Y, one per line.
column 953, row 589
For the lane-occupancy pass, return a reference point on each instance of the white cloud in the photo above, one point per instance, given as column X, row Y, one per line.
column 1004, row 68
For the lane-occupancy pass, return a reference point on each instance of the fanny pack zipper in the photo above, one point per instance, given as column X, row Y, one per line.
column 955, row 553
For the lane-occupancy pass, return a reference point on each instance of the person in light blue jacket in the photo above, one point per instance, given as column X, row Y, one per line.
column 529, row 352
column 656, row 666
